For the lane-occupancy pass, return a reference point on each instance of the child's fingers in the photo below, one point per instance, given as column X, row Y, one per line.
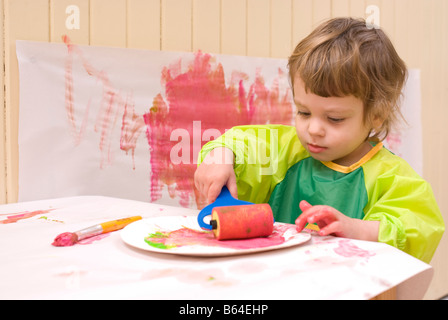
column 213, row 192
column 300, row 223
column 231, row 185
column 332, row 228
column 321, row 214
column 304, row 217
column 197, row 180
column 304, row 205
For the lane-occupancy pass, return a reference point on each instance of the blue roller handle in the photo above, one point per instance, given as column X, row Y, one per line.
column 224, row 199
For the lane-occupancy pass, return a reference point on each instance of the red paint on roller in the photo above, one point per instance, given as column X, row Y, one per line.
column 243, row 222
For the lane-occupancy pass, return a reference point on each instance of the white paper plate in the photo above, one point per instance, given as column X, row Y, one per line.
column 284, row 236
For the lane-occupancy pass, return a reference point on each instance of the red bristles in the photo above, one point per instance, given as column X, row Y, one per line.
column 65, row 239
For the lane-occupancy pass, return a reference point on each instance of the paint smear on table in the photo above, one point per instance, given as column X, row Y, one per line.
column 48, row 219
column 12, row 218
column 93, row 239
column 190, row 237
column 346, row 248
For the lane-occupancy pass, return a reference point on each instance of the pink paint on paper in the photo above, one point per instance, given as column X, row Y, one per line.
column 196, row 105
column 346, row 248
column 203, row 106
column 394, row 142
column 69, row 95
column 23, row 215
column 190, row 237
column 132, row 126
column 112, row 106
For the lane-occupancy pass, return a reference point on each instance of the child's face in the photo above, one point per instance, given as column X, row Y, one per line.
column 331, row 129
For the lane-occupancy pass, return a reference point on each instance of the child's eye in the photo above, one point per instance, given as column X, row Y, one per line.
column 336, row 120
column 303, row 113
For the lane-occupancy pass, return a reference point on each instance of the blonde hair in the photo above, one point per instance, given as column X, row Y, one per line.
column 343, row 57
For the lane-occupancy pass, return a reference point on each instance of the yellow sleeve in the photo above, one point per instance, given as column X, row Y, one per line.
column 405, row 205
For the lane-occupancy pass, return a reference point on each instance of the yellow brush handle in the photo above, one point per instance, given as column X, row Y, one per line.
column 118, row 224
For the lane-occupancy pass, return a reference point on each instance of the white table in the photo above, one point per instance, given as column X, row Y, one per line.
column 31, row 268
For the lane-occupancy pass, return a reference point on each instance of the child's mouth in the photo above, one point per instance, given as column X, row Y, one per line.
column 313, row 148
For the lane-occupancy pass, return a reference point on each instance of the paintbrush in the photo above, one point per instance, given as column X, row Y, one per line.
column 70, row 238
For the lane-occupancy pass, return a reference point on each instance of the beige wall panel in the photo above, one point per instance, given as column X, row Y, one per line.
column 233, row 27
column 258, row 28
column 281, row 28
column 417, row 31
column 387, row 18
column 433, row 48
column 108, row 23
column 441, row 261
column 24, row 20
column 358, row 8
column 207, row 25
column 340, row 8
column 71, row 18
column 143, row 24
column 302, row 20
column 2, row 114
column 401, row 25
column 176, row 25
column 321, row 11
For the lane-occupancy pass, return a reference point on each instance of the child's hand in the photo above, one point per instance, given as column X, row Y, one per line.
column 333, row 222
column 329, row 220
column 215, row 172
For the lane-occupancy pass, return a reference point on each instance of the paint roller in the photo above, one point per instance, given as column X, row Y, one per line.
column 236, row 219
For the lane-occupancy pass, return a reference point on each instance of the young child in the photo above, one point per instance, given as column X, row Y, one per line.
column 332, row 169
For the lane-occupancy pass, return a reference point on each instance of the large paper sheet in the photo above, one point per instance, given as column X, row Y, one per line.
column 129, row 123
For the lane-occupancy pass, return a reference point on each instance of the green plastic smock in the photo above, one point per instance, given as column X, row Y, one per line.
column 272, row 166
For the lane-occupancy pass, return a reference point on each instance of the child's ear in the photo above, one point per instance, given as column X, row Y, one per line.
column 377, row 122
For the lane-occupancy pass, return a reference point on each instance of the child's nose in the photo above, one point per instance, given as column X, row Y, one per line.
column 316, row 128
